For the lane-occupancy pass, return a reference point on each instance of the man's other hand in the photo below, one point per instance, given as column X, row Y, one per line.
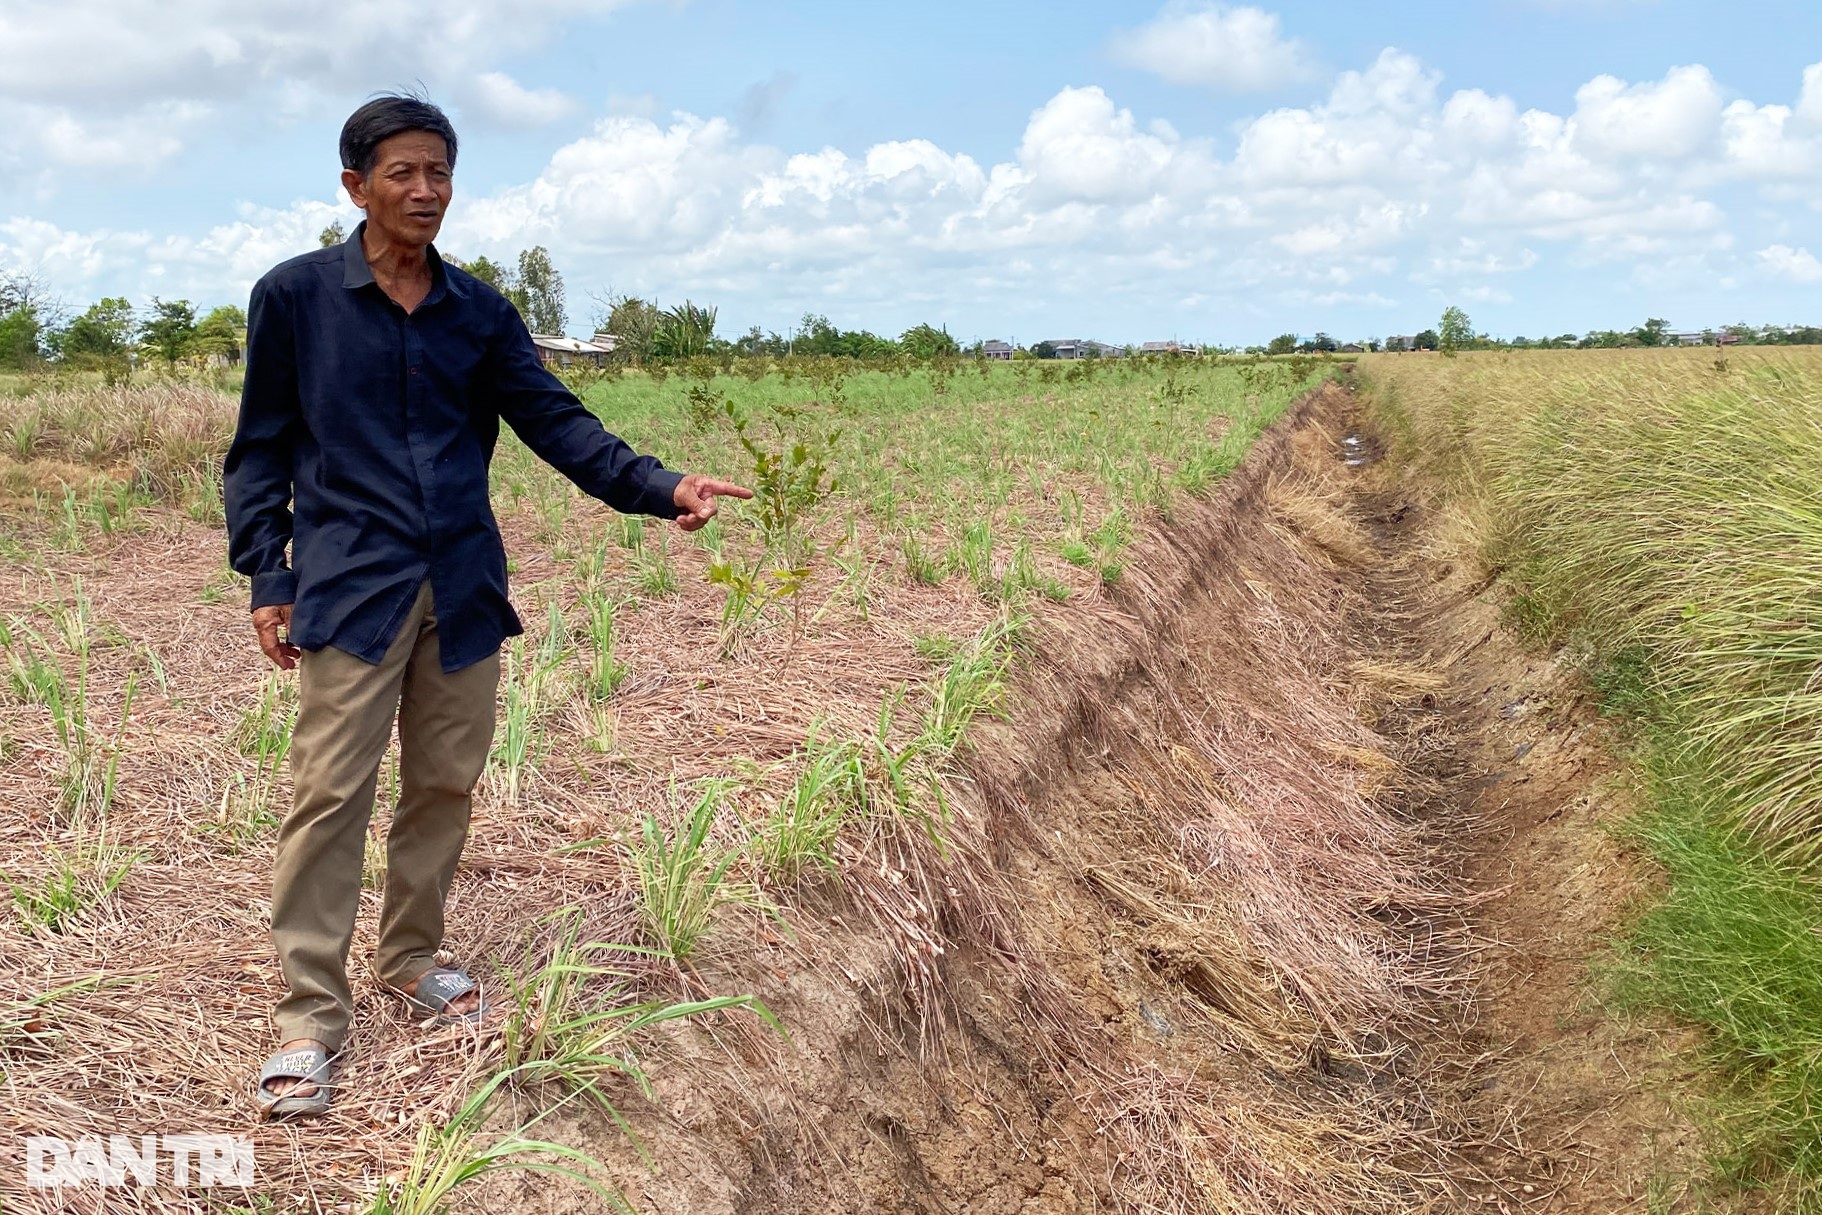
column 267, row 621
column 695, row 498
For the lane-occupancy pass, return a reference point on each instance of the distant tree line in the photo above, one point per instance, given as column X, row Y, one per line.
column 1455, row 332
column 112, row 333
column 34, row 329
column 645, row 333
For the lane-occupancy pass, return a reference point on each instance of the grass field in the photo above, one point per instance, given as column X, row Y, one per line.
column 1660, row 513
column 694, row 724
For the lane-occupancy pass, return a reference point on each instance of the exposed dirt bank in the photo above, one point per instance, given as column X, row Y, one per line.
column 1277, row 892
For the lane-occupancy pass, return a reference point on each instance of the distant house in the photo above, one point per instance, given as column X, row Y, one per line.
column 996, row 349
column 555, row 350
column 1401, row 342
column 1083, row 348
column 1351, row 348
column 1169, row 348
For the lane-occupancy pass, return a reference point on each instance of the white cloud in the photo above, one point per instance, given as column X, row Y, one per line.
column 1344, row 203
column 1471, row 256
column 1081, row 146
column 223, row 262
column 504, row 101
column 65, row 257
column 631, row 185
column 1383, row 174
column 1669, row 119
column 1368, row 129
column 1371, row 226
column 1237, row 49
column 1370, row 299
column 52, row 136
column 1771, row 143
column 126, row 52
column 1795, row 265
column 79, row 88
column 1809, row 102
column 1473, row 120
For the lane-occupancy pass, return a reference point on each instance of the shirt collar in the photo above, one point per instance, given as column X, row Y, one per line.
column 357, row 273
column 440, row 276
column 355, row 270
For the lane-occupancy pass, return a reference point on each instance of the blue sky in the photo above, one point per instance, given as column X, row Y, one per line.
column 1212, row 172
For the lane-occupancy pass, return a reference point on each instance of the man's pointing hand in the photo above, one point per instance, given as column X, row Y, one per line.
column 695, row 498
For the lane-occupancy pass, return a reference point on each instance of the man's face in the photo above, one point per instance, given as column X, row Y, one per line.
column 408, row 189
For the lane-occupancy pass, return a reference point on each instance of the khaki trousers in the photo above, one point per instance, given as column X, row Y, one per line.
column 345, row 714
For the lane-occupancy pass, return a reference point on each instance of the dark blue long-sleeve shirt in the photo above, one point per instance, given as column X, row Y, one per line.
column 364, row 440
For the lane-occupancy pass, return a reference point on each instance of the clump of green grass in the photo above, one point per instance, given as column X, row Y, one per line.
column 461, row 1151
column 919, row 564
column 79, row 879
column 801, row 829
column 571, row 1021
column 37, row 673
column 972, row 555
column 1734, row 946
column 530, row 686
column 654, row 570
column 685, row 875
column 972, row 684
column 264, row 736
column 606, row 672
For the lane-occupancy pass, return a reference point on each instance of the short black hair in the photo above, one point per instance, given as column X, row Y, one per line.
column 382, row 118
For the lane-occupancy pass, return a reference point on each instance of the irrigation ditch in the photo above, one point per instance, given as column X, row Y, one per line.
column 1278, row 890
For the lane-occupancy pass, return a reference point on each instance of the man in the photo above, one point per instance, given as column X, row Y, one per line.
column 377, row 377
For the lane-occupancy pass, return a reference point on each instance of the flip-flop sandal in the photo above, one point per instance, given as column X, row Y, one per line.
column 437, row 989
column 307, row 1063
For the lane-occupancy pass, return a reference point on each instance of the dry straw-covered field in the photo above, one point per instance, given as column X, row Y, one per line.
column 982, row 817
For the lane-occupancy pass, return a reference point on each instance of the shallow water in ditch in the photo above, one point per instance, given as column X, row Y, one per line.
column 1358, row 451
